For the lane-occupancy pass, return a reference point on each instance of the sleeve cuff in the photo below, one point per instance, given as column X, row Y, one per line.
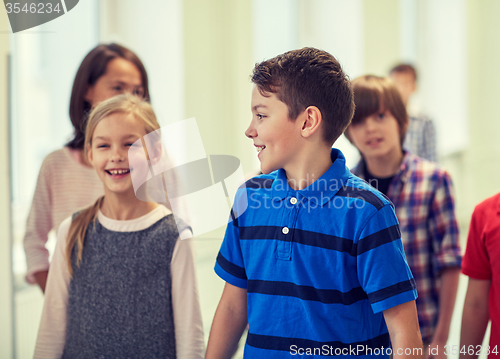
column 475, row 274
column 395, row 300
column 237, row 282
column 30, row 275
column 450, row 260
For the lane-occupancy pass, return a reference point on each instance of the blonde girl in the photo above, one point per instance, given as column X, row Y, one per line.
column 123, row 284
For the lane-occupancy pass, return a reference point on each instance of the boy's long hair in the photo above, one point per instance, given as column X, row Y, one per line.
column 373, row 94
column 309, row 77
column 126, row 104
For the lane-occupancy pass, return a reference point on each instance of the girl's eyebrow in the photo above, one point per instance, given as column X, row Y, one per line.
column 130, row 136
column 124, row 137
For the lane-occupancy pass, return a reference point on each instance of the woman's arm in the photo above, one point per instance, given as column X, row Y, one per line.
column 38, row 226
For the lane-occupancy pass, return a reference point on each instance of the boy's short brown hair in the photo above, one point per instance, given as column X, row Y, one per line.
column 404, row 69
column 373, row 94
column 309, row 77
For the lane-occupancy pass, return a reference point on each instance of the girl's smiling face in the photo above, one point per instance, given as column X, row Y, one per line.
column 109, row 151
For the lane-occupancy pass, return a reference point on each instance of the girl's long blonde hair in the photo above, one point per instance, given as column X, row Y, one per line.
column 128, row 105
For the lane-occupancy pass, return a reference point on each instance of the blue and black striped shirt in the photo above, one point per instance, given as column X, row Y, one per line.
column 319, row 265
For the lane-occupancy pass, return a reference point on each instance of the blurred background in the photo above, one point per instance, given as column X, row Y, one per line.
column 199, row 55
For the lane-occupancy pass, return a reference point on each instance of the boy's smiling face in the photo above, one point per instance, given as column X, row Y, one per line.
column 274, row 135
column 377, row 136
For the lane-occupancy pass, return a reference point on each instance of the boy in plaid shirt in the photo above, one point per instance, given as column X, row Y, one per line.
column 422, row 196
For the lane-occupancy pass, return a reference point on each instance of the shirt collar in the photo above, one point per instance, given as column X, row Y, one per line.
column 320, row 191
column 403, row 172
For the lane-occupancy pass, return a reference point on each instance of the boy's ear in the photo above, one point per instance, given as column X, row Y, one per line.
column 311, row 121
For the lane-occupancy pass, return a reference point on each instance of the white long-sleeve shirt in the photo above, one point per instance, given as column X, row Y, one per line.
column 185, row 301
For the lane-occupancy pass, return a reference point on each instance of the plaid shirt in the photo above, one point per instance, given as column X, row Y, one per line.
column 423, row 199
column 421, row 137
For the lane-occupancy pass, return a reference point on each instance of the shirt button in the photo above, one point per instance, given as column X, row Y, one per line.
column 293, row 200
column 285, row 230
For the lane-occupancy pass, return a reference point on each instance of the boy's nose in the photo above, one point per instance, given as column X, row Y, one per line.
column 369, row 125
column 250, row 132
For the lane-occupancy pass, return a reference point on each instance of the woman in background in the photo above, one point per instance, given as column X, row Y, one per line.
column 66, row 181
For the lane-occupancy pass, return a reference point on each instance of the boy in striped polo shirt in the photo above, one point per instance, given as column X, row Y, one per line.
column 312, row 258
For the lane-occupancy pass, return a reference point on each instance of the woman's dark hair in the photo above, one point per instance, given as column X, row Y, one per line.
column 91, row 69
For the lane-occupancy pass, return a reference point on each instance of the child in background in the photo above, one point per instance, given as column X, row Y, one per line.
column 301, row 262
column 423, row 198
column 420, row 136
column 482, row 265
column 121, row 284
column 66, row 181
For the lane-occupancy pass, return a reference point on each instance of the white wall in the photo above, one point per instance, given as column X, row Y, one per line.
column 6, row 281
column 336, row 26
column 442, row 58
column 274, row 28
column 153, row 29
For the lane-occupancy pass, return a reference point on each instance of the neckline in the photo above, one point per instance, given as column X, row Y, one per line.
column 136, row 224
